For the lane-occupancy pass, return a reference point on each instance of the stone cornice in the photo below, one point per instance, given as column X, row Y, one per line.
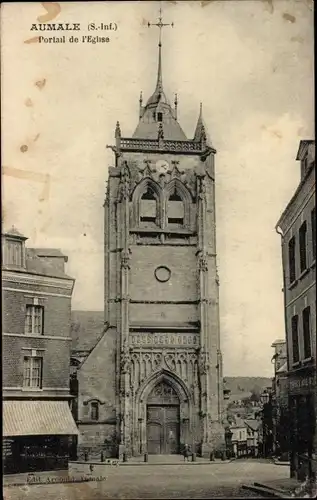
column 171, row 146
column 303, row 193
column 179, row 302
column 42, row 337
column 35, row 293
column 164, row 328
column 34, row 279
column 11, row 395
column 108, row 421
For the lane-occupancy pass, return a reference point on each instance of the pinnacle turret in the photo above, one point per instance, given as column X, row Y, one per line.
column 200, row 131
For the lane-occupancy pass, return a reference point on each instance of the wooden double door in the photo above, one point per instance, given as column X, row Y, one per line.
column 163, row 429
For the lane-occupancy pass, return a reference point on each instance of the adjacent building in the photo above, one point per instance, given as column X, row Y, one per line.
column 39, row 432
column 280, row 399
column 95, row 416
column 239, row 442
column 253, row 426
column 297, row 226
column 153, row 381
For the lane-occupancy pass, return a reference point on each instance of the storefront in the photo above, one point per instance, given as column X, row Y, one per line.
column 37, row 436
column 302, row 403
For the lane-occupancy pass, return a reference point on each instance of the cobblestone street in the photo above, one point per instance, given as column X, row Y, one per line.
column 158, row 481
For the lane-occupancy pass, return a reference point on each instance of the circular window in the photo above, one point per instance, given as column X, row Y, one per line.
column 162, row 274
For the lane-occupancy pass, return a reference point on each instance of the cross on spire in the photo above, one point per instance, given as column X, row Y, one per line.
column 160, row 25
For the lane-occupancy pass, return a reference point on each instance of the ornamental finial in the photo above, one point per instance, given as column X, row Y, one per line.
column 175, row 104
column 118, row 130
column 160, row 132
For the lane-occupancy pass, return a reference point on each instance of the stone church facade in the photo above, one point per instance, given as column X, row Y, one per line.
column 154, row 377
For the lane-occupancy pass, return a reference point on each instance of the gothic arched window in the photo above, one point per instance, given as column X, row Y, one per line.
column 148, row 207
column 175, row 209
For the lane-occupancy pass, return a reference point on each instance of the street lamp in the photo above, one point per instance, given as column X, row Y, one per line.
column 228, row 441
column 265, row 397
column 266, row 420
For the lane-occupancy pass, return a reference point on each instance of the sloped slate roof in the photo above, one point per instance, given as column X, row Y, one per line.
column 149, row 130
column 34, row 264
column 49, row 252
column 239, row 422
column 253, row 424
column 86, row 329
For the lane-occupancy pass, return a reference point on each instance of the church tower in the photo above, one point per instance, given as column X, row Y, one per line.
column 161, row 283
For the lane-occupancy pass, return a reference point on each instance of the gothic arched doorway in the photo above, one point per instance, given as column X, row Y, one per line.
column 163, row 420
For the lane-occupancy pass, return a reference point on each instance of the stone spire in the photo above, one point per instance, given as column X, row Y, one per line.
column 158, row 92
column 158, row 109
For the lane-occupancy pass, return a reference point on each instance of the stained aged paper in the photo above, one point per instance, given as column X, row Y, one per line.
column 70, row 72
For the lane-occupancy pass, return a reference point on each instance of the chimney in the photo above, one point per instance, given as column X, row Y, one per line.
column 54, row 257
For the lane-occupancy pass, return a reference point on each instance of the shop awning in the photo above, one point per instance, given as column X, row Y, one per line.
column 33, row 418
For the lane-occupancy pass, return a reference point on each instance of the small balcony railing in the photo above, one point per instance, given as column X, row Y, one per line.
column 127, row 144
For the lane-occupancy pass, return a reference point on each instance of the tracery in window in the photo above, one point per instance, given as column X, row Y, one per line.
column 175, row 209
column 148, row 207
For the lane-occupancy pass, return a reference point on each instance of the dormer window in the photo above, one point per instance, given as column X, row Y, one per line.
column 175, row 209
column 148, row 207
column 13, row 248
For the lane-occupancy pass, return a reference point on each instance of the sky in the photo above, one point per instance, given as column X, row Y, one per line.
column 251, row 65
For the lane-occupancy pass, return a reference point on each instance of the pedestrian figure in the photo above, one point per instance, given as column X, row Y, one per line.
column 186, row 453
column 91, row 467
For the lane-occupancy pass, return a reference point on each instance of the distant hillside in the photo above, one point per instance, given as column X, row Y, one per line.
column 241, row 387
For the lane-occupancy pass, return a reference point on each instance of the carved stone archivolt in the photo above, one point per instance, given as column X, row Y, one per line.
column 162, row 189
column 163, row 393
column 144, row 363
column 133, row 174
